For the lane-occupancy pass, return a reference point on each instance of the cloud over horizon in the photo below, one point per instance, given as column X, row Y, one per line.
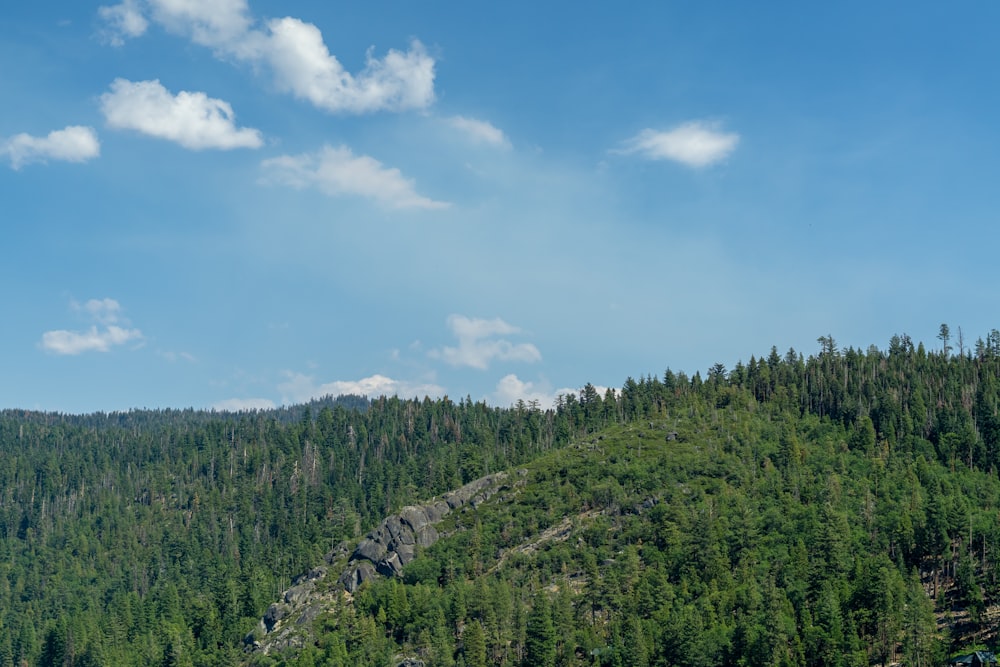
column 693, row 144
column 511, row 389
column 193, row 120
column 244, row 405
column 299, row 388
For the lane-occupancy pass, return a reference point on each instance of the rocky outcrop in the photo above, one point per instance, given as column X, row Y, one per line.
column 390, row 547
column 384, row 551
column 300, row 601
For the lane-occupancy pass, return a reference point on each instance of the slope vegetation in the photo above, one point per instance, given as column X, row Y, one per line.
column 839, row 510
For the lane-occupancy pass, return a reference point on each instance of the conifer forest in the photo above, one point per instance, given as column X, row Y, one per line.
column 839, row 507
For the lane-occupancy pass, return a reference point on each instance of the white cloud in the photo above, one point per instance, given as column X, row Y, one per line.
column 480, row 131
column 337, row 171
column 123, row 21
column 478, row 344
column 244, row 404
column 216, row 24
column 510, row 389
column 294, row 52
column 106, row 312
column 192, row 120
column 303, row 66
column 299, row 388
column 92, row 340
column 694, row 144
column 71, row 144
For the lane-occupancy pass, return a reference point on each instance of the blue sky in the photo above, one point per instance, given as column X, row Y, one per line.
column 240, row 203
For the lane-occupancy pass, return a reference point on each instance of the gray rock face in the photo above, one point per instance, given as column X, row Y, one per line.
column 274, row 613
column 356, row 574
column 297, row 594
column 373, row 548
column 385, row 551
column 391, row 546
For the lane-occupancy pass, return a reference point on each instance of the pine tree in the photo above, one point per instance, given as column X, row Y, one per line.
column 474, row 645
column 540, row 640
column 920, row 643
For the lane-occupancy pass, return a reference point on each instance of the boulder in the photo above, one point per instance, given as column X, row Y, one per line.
column 370, row 550
column 274, row 613
column 390, row 566
column 309, row 614
column 356, row 574
column 299, row 593
column 415, row 517
column 463, row 495
column 406, row 553
column 427, row 536
column 394, row 527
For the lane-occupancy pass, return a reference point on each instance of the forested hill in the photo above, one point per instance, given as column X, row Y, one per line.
column 810, row 511
column 160, row 537
column 840, row 510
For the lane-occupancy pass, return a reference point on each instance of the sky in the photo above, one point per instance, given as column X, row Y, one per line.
column 241, row 204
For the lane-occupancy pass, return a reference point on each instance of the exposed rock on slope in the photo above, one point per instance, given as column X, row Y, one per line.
column 384, row 551
column 388, row 548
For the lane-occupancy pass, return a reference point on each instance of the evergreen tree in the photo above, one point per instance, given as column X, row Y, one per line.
column 474, row 645
column 540, row 639
column 921, row 646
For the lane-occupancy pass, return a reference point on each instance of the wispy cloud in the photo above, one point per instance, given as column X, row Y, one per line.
column 293, row 50
column 694, row 144
column 480, row 131
column 244, row 404
column 218, row 24
column 99, row 337
column 299, row 388
column 104, row 311
column 92, row 340
column 71, row 144
column 193, row 120
column 122, row 21
column 479, row 343
column 337, row 172
column 174, row 357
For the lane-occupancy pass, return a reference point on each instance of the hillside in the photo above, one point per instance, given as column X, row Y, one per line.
column 839, row 509
column 728, row 525
column 749, row 539
column 160, row 537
